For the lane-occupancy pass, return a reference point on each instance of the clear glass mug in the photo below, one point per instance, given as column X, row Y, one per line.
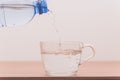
column 63, row 59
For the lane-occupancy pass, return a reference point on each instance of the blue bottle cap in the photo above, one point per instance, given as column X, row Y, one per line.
column 41, row 7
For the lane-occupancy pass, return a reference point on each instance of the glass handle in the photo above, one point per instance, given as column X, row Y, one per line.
column 93, row 51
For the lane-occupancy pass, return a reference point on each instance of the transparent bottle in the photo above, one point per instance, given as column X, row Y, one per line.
column 19, row 12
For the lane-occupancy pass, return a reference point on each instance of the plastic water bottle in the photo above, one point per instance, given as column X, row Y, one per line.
column 19, row 12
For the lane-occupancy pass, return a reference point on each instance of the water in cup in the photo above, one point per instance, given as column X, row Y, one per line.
column 61, row 63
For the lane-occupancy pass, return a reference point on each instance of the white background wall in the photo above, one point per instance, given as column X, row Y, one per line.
column 90, row 21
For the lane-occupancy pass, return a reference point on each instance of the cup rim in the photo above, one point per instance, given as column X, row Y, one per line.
column 61, row 42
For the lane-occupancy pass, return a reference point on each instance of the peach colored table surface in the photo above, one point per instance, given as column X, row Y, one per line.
column 36, row 69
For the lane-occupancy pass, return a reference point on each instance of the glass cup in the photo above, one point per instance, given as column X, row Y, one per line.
column 63, row 59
